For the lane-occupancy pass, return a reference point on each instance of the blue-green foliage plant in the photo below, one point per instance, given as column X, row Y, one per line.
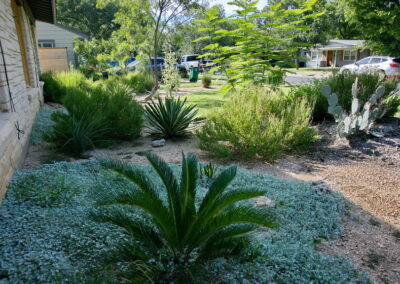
column 63, row 245
column 37, row 189
column 42, row 124
column 175, row 228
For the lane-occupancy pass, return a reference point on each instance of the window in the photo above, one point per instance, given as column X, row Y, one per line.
column 314, row 55
column 363, row 61
column 375, row 60
column 384, row 59
column 46, row 43
column 349, row 55
column 18, row 26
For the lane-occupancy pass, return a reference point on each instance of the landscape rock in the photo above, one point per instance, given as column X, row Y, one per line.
column 321, row 186
column 263, row 201
column 158, row 143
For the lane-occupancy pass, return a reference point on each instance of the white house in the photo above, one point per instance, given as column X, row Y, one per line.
column 56, row 35
column 337, row 53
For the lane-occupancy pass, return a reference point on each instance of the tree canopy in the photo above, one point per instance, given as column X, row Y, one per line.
column 84, row 16
column 378, row 22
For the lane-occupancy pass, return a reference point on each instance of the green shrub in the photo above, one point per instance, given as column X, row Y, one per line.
column 206, row 80
column 367, row 84
column 96, row 115
column 341, row 85
column 313, row 94
column 76, row 134
column 176, row 232
column 258, row 122
column 90, row 73
column 56, row 85
column 140, row 82
column 171, row 117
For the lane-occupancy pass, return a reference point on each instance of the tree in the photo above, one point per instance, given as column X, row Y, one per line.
column 262, row 41
column 84, row 16
column 174, row 231
column 143, row 23
column 378, row 22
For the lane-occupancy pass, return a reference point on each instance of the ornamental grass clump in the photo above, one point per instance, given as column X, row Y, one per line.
column 57, row 85
column 257, row 121
column 206, row 80
column 170, row 117
column 177, row 231
column 96, row 116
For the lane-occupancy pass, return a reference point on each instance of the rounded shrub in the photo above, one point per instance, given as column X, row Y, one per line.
column 258, row 122
column 206, row 80
column 140, row 82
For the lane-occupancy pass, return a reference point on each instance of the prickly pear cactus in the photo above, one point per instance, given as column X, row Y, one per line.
column 361, row 117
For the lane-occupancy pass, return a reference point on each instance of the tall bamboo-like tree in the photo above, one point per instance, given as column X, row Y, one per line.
column 262, row 41
column 178, row 230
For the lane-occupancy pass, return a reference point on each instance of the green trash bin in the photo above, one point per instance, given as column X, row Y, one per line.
column 193, row 74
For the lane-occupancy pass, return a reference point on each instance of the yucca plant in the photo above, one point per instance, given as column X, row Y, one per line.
column 178, row 230
column 171, row 117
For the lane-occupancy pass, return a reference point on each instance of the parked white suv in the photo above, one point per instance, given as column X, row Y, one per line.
column 385, row 65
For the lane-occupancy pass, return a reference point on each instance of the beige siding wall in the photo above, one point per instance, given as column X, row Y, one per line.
column 26, row 99
column 61, row 37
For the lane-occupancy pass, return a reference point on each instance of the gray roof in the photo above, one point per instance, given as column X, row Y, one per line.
column 352, row 42
column 340, row 44
column 81, row 34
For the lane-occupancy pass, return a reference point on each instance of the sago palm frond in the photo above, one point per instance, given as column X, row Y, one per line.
column 183, row 231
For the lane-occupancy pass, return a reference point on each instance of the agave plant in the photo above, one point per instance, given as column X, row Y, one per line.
column 178, row 228
column 171, row 117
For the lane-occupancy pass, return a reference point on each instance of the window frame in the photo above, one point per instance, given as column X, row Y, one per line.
column 350, row 56
column 16, row 9
column 46, row 41
column 317, row 53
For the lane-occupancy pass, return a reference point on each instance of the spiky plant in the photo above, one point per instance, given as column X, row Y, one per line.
column 178, row 230
column 171, row 117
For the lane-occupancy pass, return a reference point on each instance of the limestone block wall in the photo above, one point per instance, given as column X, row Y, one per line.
column 18, row 109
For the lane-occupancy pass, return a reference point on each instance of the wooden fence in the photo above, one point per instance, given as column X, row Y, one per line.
column 53, row 59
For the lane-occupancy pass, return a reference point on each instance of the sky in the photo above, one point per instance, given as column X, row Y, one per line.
column 229, row 8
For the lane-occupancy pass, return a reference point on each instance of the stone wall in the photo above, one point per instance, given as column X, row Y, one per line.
column 16, row 114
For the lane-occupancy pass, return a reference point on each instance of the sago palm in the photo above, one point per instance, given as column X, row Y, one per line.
column 185, row 231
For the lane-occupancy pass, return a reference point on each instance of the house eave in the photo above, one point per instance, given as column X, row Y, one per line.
column 43, row 10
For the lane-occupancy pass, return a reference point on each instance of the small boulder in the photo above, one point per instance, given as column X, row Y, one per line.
column 321, row 186
column 158, row 143
column 263, row 201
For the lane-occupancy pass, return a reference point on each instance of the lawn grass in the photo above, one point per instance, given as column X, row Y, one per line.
column 207, row 100
column 58, row 241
